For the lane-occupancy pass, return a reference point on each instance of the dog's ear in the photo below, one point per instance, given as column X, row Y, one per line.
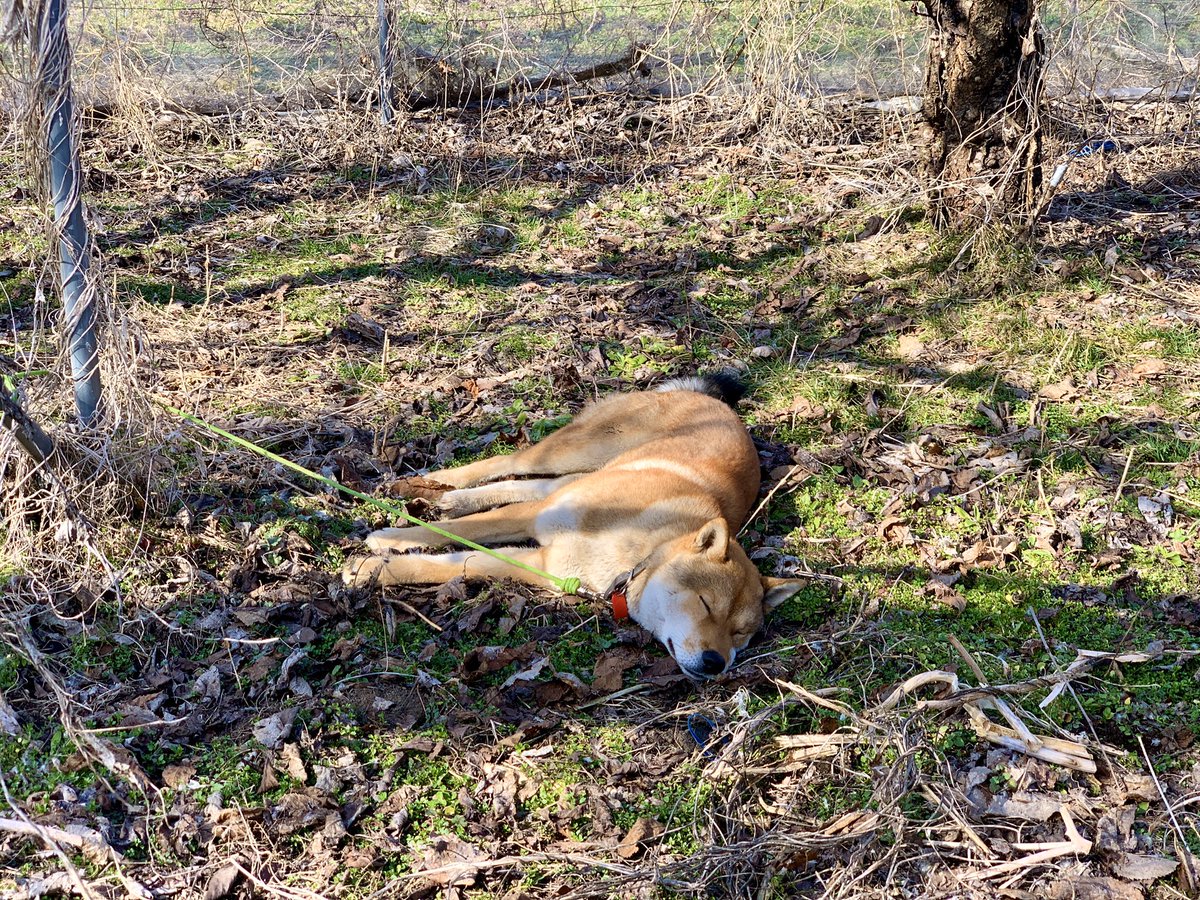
column 776, row 590
column 713, row 540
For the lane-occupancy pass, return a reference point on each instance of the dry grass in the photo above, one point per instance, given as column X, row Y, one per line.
column 369, row 302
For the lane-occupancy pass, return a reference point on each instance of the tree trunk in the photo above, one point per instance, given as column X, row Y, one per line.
column 983, row 89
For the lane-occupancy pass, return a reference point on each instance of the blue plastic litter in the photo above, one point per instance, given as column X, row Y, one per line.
column 1099, row 145
column 1096, row 146
column 701, row 728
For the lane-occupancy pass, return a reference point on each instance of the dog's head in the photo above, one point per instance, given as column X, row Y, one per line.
column 704, row 599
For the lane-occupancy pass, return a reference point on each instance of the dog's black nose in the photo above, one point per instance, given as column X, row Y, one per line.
column 712, row 662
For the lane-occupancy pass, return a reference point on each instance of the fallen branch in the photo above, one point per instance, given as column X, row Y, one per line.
column 470, row 90
column 52, row 835
column 1085, row 660
column 1075, row 844
column 453, row 87
column 1069, row 754
column 28, row 433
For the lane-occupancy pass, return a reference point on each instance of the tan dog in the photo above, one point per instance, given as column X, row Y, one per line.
column 645, row 488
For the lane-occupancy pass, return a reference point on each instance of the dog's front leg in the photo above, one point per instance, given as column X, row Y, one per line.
column 481, row 471
column 510, row 524
column 573, row 450
column 436, row 568
column 463, row 501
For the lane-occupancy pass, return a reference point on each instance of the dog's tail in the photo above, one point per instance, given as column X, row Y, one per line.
column 726, row 385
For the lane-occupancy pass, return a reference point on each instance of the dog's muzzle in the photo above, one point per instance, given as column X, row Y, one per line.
column 711, row 665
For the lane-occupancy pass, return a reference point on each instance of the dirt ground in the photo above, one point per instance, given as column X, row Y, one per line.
column 985, row 454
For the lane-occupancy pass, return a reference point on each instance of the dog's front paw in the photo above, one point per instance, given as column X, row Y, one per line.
column 362, row 571
column 456, row 503
column 397, row 540
column 418, row 487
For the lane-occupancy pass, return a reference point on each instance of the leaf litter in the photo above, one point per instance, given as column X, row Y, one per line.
column 493, row 739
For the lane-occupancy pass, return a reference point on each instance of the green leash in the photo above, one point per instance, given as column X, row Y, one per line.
column 569, row 586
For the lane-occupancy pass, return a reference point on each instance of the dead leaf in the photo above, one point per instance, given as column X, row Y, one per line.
column 223, row 880
column 1024, row 805
column 990, row 552
column 1157, row 511
column 1140, row 867
column 1138, row 787
column 450, row 861
column 1069, row 530
column 298, row 810
column 873, row 404
column 910, row 346
column 293, row 764
column 469, row 623
column 803, row 408
column 1149, row 368
column 267, row 781
column 485, row 660
column 1060, row 390
column 177, row 776
column 208, row 685
column 639, row 835
column 870, row 228
column 272, row 731
column 848, row 339
column 609, row 672
column 360, row 858
column 931, row 484
column 894, row 530
column 964, row 480
column 528, row 674
column 1093, row 888
column 939, row 588
column 364, row 328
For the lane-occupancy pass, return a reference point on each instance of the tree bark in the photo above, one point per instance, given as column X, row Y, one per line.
column 983, row 90
column 27, row 432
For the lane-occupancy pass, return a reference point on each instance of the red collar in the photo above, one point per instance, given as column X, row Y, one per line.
column 620, row 605
column 618, row 592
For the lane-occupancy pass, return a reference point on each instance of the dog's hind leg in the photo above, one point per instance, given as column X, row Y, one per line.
column 465, row 501
column 435, row 568
column 511, row 524
column 598, row 435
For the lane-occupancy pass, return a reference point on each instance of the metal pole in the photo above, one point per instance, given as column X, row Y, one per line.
column 66, row 184
column 385, row 64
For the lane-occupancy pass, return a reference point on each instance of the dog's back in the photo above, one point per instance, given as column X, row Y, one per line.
column 678, row 430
